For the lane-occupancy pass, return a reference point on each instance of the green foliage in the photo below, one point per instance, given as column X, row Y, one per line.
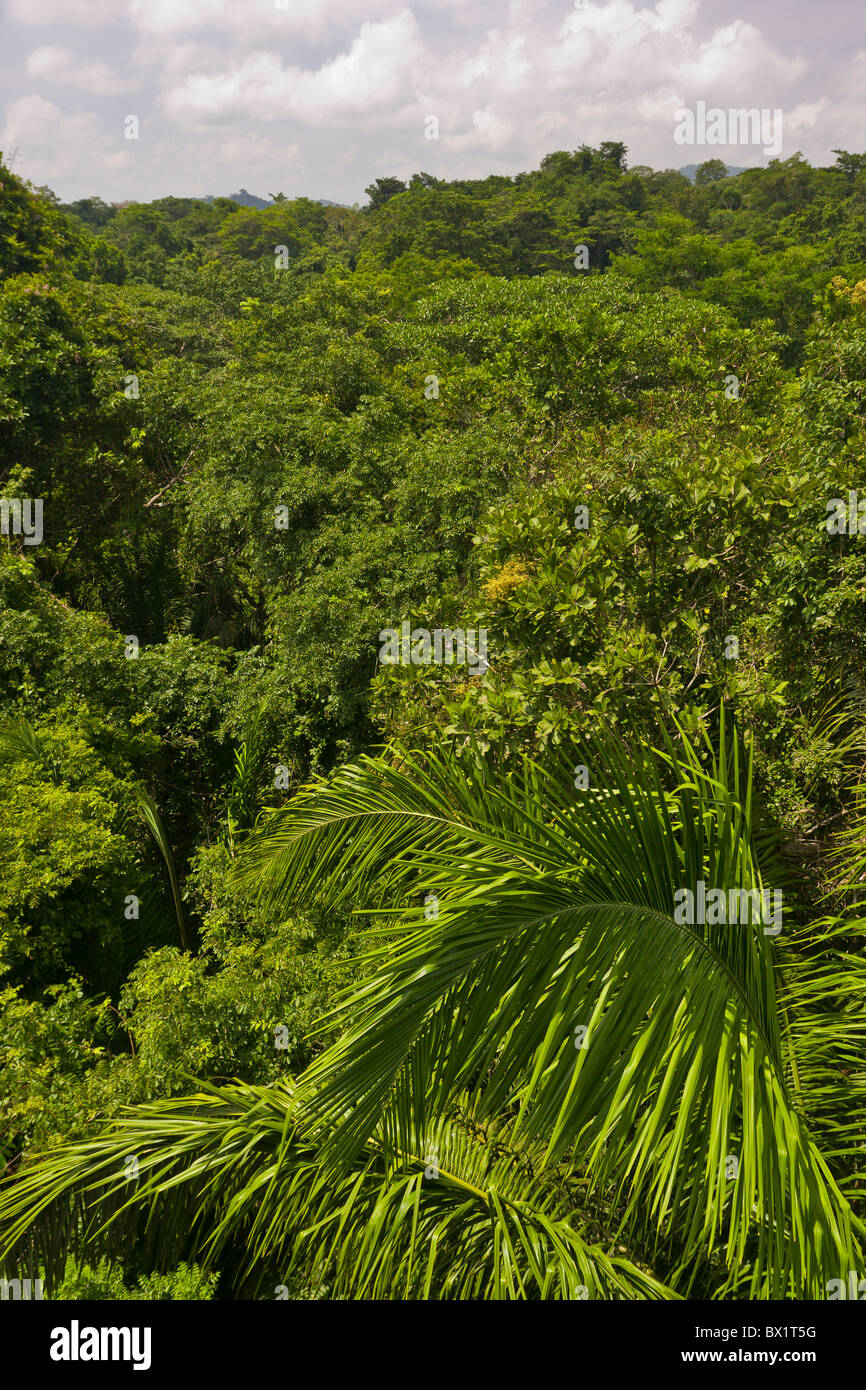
column 36, row 234
column 106, row 1282
column 47, row 1050
column 66, row 865
column 457, row 1066
column 433, row 414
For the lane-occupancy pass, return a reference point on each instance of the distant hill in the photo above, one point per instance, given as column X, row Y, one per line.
column 246, row 200
column 249, row 200
column 691, row 169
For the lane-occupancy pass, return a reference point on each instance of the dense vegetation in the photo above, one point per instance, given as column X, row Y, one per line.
column 262, row 437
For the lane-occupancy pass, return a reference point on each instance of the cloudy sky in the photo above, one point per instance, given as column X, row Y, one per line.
column 321, row 96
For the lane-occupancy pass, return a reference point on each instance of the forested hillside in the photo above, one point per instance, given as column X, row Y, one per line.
column 608, row 425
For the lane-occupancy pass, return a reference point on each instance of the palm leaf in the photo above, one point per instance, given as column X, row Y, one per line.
column 153, row 821
column 234, row 1167
column 556, row 912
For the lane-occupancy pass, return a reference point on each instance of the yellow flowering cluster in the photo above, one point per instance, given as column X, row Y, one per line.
column 856, row 293
column 510, row 577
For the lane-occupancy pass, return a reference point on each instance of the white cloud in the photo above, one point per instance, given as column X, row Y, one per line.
column 489, row 132
column 310, row 20
column 59, row 65
column 51, row 143
column 89, row 14
column 805, row 116
column 372, row 80
column 84, row 152
column 509, row 80
column 737, row 55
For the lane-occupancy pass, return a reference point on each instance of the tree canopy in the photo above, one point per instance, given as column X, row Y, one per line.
column 323, row 914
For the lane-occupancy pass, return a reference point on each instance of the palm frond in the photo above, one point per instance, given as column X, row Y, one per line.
column 467, row 1217
column 153, row 821
column 20, row 741
column 556, row 914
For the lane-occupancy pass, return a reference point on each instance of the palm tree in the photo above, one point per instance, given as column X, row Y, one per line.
column 546, row 1086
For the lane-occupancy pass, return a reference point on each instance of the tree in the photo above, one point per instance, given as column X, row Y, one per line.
column 850, row 164
column 92, row 211
column 710, row 172
column 380, row 190
column 613, row 152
